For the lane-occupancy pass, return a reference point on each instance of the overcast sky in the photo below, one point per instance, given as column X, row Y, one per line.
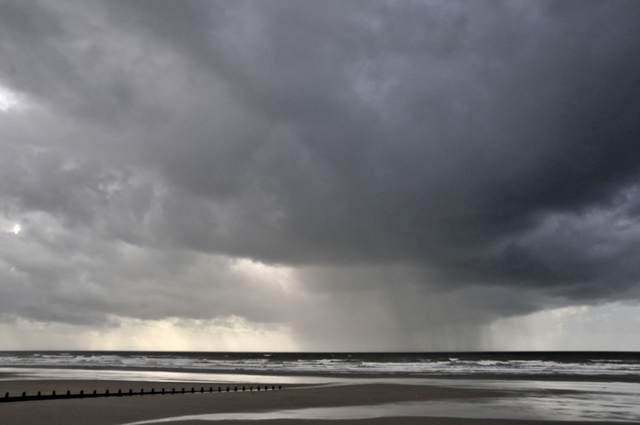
column 319, row 175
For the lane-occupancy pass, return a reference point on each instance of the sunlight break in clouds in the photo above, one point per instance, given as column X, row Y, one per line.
column 8, row 99
column 9, row 226
column 173, row 334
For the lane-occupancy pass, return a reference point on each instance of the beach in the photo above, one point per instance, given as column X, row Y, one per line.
column 314, row 402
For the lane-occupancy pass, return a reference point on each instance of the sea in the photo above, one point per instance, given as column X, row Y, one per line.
column 554, row 386
column 543, row 364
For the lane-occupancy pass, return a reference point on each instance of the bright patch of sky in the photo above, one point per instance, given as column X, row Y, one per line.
column 608, row 327
column 230, row 334
column 9, row 226
column 8, row 99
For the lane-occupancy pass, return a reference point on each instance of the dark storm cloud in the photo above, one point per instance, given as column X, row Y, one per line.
column 484, row 147
column 430, row 131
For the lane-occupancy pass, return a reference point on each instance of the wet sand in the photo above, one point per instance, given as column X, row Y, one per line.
column 122, row 410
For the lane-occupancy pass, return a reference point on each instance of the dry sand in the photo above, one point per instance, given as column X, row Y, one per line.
column 121, row 410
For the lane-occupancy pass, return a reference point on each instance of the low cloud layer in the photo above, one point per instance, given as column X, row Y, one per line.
column 358, row 175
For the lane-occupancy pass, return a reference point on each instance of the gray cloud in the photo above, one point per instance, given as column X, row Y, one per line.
column 477, row 154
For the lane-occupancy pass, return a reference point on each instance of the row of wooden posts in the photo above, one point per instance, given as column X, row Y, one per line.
column 82, row 394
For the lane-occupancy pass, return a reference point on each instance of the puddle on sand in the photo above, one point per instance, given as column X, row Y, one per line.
column 557, row 408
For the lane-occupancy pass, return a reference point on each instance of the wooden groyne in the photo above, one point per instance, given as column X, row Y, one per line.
column 130, row 393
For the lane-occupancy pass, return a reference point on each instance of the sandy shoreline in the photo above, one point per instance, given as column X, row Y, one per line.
column 122, row 410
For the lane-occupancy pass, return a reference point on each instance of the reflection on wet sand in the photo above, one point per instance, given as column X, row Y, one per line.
column 579, row 407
